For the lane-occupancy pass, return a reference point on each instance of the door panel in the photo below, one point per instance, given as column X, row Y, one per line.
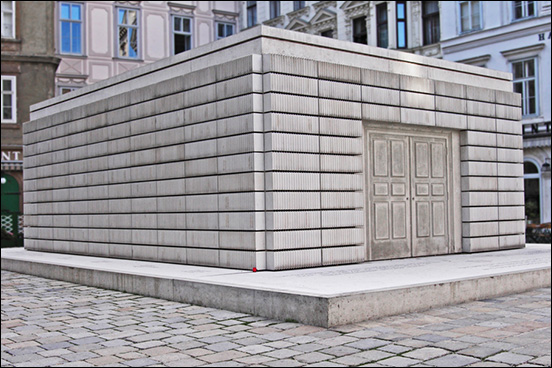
column 399, row 216
column 407, row 194
column 437, row 162
column 381, row 217
column 421, row 159
column 439, row 215
column 380, row 157
column 398, row 158
column 389, row 225
column 430, row 203
column 422, row 219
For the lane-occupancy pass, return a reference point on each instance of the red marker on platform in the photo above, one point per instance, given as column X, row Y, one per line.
column 254, row 269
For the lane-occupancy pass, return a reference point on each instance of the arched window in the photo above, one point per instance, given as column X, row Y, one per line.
column 531, row 175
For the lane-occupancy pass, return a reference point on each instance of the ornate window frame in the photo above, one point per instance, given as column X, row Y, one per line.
column 324, row 20
column 352, row 10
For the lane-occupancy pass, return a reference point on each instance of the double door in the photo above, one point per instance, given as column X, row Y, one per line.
column 407, row 195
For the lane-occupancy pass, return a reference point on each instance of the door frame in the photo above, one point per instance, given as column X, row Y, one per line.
column 453, row 172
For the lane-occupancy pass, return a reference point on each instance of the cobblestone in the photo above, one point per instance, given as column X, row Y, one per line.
column 510, row 358
column 54, row 323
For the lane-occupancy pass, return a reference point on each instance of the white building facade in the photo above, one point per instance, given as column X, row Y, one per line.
column 408, row 25
column 100, row 39
column 511, row 36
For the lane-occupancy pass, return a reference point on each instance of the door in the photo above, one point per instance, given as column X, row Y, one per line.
column 407, row 196
column 429, row 196
column 10, row 211
column 389, row 188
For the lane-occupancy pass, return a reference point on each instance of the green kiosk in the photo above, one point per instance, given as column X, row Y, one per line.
column 10, row 212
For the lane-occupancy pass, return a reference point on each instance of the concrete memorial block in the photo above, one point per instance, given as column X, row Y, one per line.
column 202, row 257
column 509, row 155
column 342, row 255
column 481, row 123
column 480, row 244
column 242, row 240
column 417, row 100
column 381, row 113
column 474, row 214
column 292, row 181
column 291, row 123
column 243, row 259
column 292, row 142
column 295, row 258
column 335, row 72
column 510, row 241
column 295, row 239
column 379, row 79
column 278, row 150
column 382, row 96
column 339, row 91
column 281, row 83
column 202, row 239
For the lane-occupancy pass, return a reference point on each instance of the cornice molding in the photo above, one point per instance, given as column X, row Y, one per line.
column 181, row 8
column 72, row 76
column 298, row 24
column 278, row 21
column 31, row 59
column 324, row 4
column 354, row 6
column 298, row 13
column 513, row 53
column 477, row 60
column 224, row 13
column 461, row 45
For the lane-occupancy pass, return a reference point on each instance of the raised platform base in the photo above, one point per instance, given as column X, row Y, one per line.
column 328, row 296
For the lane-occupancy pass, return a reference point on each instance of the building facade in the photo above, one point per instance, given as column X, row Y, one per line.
column 99, row 39
column 28, row 71
column 412, row 26
column 512, row 36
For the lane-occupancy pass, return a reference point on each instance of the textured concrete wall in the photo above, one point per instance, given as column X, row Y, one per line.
column 259, row 161
column 156, row 173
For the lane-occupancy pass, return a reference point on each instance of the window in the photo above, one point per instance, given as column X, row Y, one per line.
column 381, row 15
column 401, row 24
column 8, row 19
column 251, row 13
column 182, row 34
column 430, row 16
column 470, row 16
column 525, row 83
column 8, row 99
column 70, row 26
column 360, row 34
column 224, row 30
column 298, row 5
column 274, row 9
column 127, row 31
column 524, row 9
column 327, row 33
column 532, row 183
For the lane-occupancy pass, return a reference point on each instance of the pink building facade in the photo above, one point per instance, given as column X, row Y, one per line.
column 97, row 40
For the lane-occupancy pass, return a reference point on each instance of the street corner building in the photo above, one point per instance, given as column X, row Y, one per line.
column 276, row 150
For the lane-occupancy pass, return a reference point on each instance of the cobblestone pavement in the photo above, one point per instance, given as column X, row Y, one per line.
column 54, row 323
